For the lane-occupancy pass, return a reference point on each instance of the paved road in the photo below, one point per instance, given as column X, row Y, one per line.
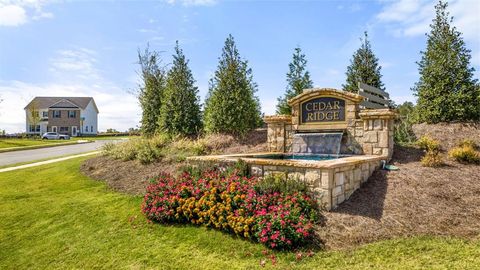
column 50, row 152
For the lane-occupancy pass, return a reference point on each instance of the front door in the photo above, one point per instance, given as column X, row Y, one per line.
column 74, row 131
column 54, row 129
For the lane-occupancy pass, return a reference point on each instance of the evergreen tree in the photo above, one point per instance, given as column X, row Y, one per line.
column 446, row 89
column 180, row 111
column 231, row 105
column 151, row 90
column 363, row 68
column 298, row 78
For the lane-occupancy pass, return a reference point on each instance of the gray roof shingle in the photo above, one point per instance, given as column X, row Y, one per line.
column 60, row 102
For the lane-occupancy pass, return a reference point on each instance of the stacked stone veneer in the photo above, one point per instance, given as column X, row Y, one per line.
column 330, row 185
column 369, row 134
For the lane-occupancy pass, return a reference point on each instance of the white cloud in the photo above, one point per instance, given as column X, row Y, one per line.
column 145, row 30
column 409, row 18
column 11, row 15
column 43, row 15
column 18, row 12
column 193, row 2
column 78, row 63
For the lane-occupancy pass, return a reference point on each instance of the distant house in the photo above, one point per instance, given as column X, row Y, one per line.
column 74, row 116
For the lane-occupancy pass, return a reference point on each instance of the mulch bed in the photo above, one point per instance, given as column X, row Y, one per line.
column 449, row 134
column 125, row 176
column 415, row 200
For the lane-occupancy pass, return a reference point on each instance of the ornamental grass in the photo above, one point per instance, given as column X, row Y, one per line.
column 230, row 202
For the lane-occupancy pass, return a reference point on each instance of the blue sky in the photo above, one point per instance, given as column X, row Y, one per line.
column 77, row 48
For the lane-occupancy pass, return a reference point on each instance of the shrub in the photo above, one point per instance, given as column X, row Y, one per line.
column 160, row 140
column 468, row 143
column 128, row 150
column 432, row 159
column 147, row 153
column 403, row 132
column 227, row 201
column 428, row 144
column 432, row 156
column 465, row 154
column 279, row 183
column 108, row 148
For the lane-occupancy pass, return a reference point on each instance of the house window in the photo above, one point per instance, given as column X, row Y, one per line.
column 34, row 128
column 56, row 114
column 91, row 128
column 35, row 114
column 72, row 114
column 63, row 129
column 45, row 114
column 86, row 128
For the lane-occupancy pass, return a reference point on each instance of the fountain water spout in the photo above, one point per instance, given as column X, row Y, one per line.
column 328, row 143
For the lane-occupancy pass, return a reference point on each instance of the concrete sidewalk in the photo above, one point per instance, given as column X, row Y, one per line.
column 46, row 162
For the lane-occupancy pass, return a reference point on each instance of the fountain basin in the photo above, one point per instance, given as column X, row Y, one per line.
column 332, row 179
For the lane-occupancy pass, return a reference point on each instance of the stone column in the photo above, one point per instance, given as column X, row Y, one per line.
column 378, row 128
column 279, row 133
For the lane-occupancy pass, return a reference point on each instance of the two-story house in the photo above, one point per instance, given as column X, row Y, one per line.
column 73, row 116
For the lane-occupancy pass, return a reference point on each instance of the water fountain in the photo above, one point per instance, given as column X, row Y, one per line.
column 325, row 143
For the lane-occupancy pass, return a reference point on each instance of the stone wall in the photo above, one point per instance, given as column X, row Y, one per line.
column 330, row 186
column 377, row 135
column 279, row 133
column 371, row 133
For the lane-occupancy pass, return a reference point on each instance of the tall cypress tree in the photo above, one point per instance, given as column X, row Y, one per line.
column 298, row 78
column 150, row 92
column 231, row 105
column 363, row 68
column 446, row 90
column 180, row 111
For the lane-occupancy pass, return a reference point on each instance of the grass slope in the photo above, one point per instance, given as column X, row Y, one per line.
column 54, row 217
column 10, row 143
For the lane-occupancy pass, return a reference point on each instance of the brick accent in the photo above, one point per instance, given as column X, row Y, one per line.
column 64, row 120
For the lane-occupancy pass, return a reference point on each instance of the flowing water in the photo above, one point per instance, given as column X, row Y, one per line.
column 317, row 143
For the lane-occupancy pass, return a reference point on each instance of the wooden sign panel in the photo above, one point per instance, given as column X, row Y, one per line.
column 322, row 110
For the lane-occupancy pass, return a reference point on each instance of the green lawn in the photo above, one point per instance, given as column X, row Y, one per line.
column 10, row 143
column 53, row 217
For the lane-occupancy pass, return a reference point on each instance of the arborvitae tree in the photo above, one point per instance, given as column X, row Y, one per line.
column 363, row 68
column 231, row 105
column 151, row 90
column 446, row 90
column 180, row 112
column 298, row 78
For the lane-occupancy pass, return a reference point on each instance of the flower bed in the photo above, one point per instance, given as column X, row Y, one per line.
column 233, row 203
